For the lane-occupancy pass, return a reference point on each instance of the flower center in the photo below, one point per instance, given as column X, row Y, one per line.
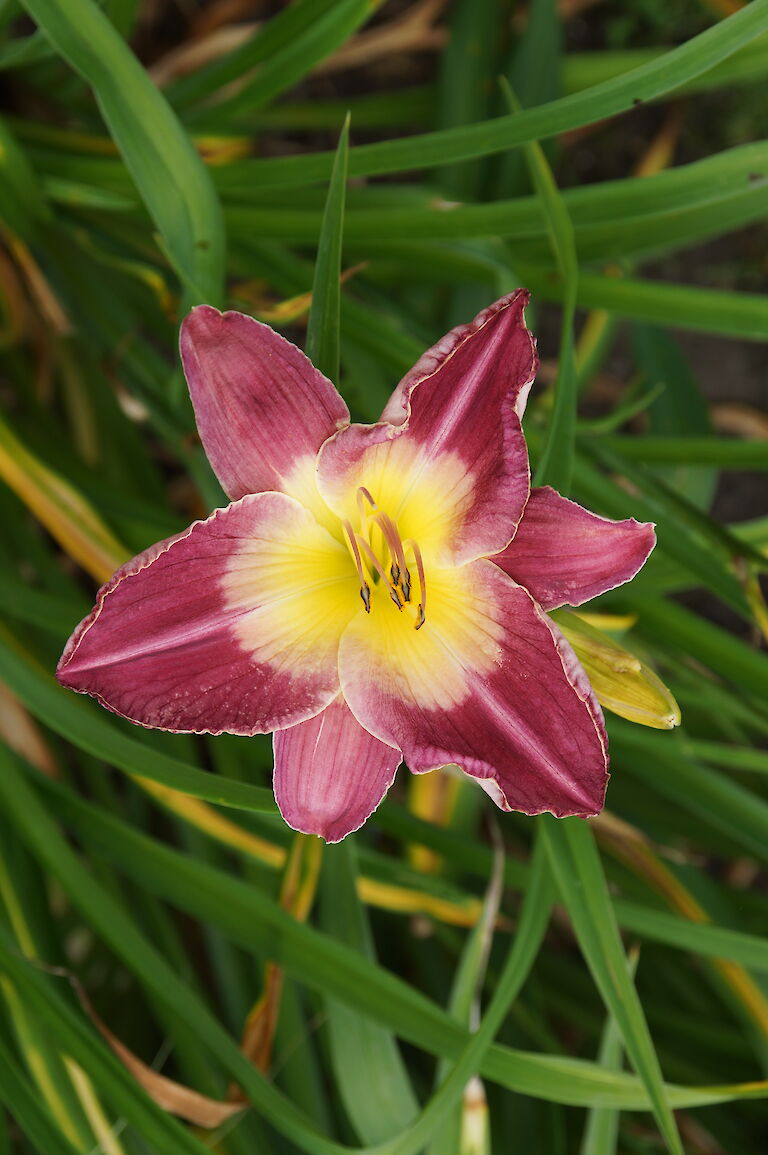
column 383, row 559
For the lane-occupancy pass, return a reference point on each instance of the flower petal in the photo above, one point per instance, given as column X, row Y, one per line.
column 448, row 461
column 565, row 555
column 231, row 626
column 487, row 683
column 499, row 337
column 262, row 408
column 330, row 773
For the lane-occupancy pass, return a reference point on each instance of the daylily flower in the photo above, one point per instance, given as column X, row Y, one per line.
column 372, row 593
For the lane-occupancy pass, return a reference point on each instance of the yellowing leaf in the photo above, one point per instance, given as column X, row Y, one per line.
column 64, row 513
column 622, row 682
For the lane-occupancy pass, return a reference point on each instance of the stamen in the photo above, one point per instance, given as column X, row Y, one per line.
column 398, row 569
column 380, row 570
column 364, row 494
column 365, row 589
column 422, row 613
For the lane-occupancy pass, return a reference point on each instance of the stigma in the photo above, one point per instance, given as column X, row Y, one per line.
column 383, row 559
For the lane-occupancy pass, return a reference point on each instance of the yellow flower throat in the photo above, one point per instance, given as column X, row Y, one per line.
column 381, row 557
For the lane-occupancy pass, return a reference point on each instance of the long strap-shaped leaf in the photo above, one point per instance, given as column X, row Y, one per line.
column 20, row 1096
column 377, row 1092
column 91, row 731
column 580, row 878
column 618, row 95
column 555, row 466
column 248, row 918
column 170, row 176
column 325, row 313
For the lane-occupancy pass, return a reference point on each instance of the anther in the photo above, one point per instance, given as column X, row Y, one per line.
column 398, row 570
column 365, row 591
column 422, row 611
column 364, row 494
column 371, row 556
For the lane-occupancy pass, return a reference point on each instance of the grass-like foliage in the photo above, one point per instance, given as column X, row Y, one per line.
column 179, row 972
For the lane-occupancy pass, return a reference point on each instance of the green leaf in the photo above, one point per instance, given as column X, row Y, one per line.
column 89, row 729
column 23, row 1101
column 650, row 80
column 325, row 313
column 576, row 864
column 699, row 938
column 268, row 41
column 555, row 465
column 691, row 451
column 314, row 40
column 700, row 310
column 168, row 173
column 242, row 912
column 602, row 1130
column 370, row 1074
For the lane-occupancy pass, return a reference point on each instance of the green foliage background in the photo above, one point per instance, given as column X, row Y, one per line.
column 150, row 866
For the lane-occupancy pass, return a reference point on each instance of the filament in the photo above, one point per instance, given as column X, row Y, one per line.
column 365, row 589
column 422, row 612
column 381, row 571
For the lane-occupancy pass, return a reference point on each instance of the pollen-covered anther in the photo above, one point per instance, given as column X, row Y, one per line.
column 398, row 579
column 365, row 589
column 381, row 571
column 398, row 569
column 421, row 615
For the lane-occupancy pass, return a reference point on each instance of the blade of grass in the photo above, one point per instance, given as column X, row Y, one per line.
column 719, row 451
column 555, row 466
column 577, row 867
column 371, row 1077
column 699, row 938
column 168, row 173
column 601, row 1133
column 725, row 313
column 247, row 917
column 267, row 41
column 650, row 80
column 313, row 41
column 23, row 1102
column 325, row 313
column 466, row 992
column 89, row 729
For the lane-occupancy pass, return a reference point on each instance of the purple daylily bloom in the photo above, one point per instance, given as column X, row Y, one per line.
column 372, row 593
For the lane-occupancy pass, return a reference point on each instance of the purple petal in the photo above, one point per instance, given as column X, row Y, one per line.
column 450, row 441
column 497, row 335
column 260, row 404
column 232, row 626
column 565, row 555
column 487, row 683
column 330, row 773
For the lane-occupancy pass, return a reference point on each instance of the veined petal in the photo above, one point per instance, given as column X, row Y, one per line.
column 565, row 555
column 448, row 461
column 330, row 773
column 497, row 336
column 488, row 683
column 232, row 626
column 263, row 410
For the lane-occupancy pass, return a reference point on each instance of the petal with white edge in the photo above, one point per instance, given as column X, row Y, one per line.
column 487, row 683
column 564, row 554
column 448, row 462
column 330, row 773
column 232, row 626
column 262, row 409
